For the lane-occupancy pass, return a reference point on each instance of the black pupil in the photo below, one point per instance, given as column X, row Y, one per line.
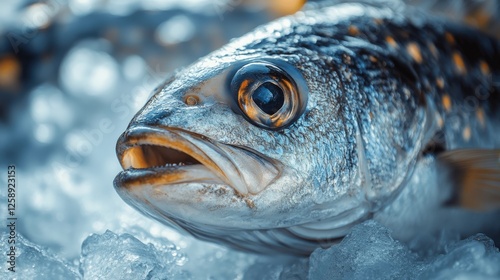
column 269, row 97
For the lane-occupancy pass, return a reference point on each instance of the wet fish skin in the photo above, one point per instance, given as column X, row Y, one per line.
column 375, row 102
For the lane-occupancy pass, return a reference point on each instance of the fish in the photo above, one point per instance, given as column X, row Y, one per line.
column 286, row 137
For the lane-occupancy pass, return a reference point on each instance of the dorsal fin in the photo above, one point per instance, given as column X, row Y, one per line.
column 482, row 14
column 476, row 174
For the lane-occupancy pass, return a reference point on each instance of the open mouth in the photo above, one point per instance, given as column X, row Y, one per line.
column 150, row 156
column 167, row 156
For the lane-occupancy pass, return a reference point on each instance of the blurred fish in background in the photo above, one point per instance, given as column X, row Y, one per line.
column 72, row 75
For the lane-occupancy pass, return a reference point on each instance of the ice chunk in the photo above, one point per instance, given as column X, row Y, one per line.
column 33, row 262
column 370, row 252
column 473, row 258
column 112, row 256
column 278, row 269
column 210, row 261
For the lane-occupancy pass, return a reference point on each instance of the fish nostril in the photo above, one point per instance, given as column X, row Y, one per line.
column 191, row 100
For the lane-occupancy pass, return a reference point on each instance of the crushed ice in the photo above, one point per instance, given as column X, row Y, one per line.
column 73, row 225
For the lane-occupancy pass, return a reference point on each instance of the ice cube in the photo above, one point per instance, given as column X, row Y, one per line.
column 369, row 252
column 32, row 261
column 112, row 256
column 278, row 269
column 473, row 258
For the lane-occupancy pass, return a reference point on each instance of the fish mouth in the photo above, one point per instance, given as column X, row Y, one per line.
column 162, row 156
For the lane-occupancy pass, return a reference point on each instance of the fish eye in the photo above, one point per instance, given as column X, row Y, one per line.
column 271, row 95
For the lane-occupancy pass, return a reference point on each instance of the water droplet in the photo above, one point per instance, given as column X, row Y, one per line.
column 176, row 30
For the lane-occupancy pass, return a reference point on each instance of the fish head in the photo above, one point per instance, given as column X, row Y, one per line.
column 254, row 146
column 233, row 141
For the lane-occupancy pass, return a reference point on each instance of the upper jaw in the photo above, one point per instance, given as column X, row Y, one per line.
column 170, row 155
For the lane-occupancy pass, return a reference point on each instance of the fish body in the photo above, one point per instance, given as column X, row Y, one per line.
column 288, row 136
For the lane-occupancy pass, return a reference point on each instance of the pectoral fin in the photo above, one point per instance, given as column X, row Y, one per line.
column 477, row 177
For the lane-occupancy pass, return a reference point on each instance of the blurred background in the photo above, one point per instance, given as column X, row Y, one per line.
column 72, row 75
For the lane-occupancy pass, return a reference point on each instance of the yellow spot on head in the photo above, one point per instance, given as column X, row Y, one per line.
column 449, row 38
column 414, row 51
column 391, row 42
column 459, row 63
column 480, row 116
column 466, row 133
column 353, row 30
column 440, row 82
column 373, row 59
column 485, row 69
column 446, row 102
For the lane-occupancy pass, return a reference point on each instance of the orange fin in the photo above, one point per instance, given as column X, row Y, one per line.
column 477, row 174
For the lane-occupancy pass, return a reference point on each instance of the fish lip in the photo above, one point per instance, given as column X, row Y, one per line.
column 214, row 158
